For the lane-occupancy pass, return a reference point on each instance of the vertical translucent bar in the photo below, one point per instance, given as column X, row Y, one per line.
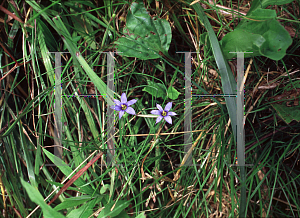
column 57, row 110
column 110, row 112
column 240, row 110
column 187, row 110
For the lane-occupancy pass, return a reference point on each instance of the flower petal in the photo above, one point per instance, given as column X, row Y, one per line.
column 117, row 102
column 121, row 114
column 131, row 102
column 123, row 98
column 116, row 107
column 155, row 112
column 168, row 106
column 130, row 110
column 159, row 107
column 171, row 113
column 158, row 119
column 168, row 119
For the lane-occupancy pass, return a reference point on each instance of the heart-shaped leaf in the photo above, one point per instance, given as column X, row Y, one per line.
column 144, row 37
column 259, row 33
column 243, row 42
column 277, row 41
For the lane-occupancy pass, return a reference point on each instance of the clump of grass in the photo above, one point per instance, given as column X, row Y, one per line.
column 148, row 176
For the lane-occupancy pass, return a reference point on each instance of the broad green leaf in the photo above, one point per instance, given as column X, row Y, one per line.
column 277, row 41
column 262, row 14
column 265, row 3
column 157, row 90
column 256, row 24
column 173, row 93
column 265, row 37
column 243, row 42
column 37, row 198
column 288, row 114
column 119, row 207
column 144, row 37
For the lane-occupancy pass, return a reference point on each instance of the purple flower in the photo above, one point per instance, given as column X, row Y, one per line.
column 123, row 106
column 163, row 113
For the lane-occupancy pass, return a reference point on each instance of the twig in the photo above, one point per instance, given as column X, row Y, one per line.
column 76, row 176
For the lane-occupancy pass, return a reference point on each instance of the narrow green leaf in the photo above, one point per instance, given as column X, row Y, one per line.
column 72, row 202
column 37, row 198
column 229, row 85
column 101, row 86
column 85, row 210
column 120, row 205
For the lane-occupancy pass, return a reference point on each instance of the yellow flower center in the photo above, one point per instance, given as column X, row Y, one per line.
column 124, row 107
column 164, row 113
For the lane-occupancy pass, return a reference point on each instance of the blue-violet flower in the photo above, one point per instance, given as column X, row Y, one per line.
column 164, row 113
column 123, row 106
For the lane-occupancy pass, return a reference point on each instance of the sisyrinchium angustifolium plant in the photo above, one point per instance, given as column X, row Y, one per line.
column 259, row 32
column 123, row 106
